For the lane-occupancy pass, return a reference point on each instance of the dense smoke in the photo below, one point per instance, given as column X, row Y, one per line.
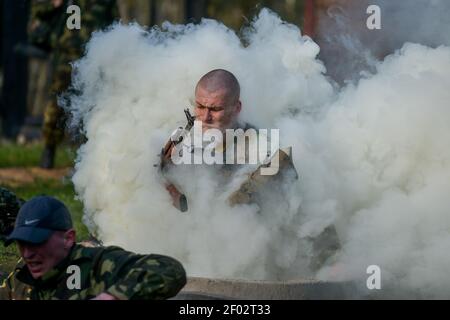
column 422, row 21
column 373, row 158
column 350, row 48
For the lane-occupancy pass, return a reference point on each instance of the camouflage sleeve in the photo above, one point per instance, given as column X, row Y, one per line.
column 142, row 276
column 41, row 10
column 45, row 20
column 5, row 290
column 12, row 289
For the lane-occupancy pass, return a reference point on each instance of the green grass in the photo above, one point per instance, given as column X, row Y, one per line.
column 13, row 155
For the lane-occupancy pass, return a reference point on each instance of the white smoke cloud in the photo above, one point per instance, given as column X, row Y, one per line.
column 373, row 158
column 387, row 147
column 350, row 48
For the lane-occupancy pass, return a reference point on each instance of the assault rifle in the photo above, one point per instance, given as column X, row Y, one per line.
column 178, row 198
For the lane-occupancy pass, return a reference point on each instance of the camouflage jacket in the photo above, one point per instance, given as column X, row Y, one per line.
column 112, row 270
column 51, row 34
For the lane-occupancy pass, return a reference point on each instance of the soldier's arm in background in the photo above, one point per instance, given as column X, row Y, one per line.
column 5, row 290
column 12, row 289
column 134, row 276
column 45, row 18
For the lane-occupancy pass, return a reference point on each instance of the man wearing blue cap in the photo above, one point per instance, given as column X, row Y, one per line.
column 53, row 266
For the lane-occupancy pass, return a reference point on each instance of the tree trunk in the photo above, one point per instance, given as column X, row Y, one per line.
column 14, row 91
column 195, row 10
column 309, row 19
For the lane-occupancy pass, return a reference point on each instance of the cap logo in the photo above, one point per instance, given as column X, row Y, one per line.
column 28, row 222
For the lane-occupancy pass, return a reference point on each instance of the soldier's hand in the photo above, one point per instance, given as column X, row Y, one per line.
column 105, row 296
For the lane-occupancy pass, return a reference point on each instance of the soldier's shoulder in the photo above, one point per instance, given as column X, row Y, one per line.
column 97, row 253
column 116, row 254
column 8, row 197
column 83, row 250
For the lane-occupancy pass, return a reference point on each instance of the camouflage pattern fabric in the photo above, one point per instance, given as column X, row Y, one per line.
column 249, row 189
column 52, row 35
column 12, row 289
column 112, row 270
column 9, row 207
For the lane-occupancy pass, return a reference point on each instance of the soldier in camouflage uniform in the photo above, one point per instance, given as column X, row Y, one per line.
column 217, row 106
column 51, row 34
column 46, row 241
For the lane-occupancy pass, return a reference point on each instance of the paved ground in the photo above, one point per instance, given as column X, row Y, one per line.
column 205, row 288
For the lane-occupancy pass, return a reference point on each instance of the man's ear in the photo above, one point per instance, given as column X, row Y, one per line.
column 239, row 106
column 69, row 238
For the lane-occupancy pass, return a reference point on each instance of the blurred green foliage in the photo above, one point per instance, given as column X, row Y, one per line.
column 236, row 13
column 13, row 155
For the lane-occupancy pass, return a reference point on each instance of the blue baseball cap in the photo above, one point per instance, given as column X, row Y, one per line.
column 38, row 218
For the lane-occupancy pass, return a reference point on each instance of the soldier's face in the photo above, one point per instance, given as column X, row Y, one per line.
column 215, row 110
column 43, row 257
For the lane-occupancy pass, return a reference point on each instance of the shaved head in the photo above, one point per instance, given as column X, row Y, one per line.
column 220, row 79
column 217, row 102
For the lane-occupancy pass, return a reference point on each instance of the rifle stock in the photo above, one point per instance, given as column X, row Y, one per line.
column 179, row 200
